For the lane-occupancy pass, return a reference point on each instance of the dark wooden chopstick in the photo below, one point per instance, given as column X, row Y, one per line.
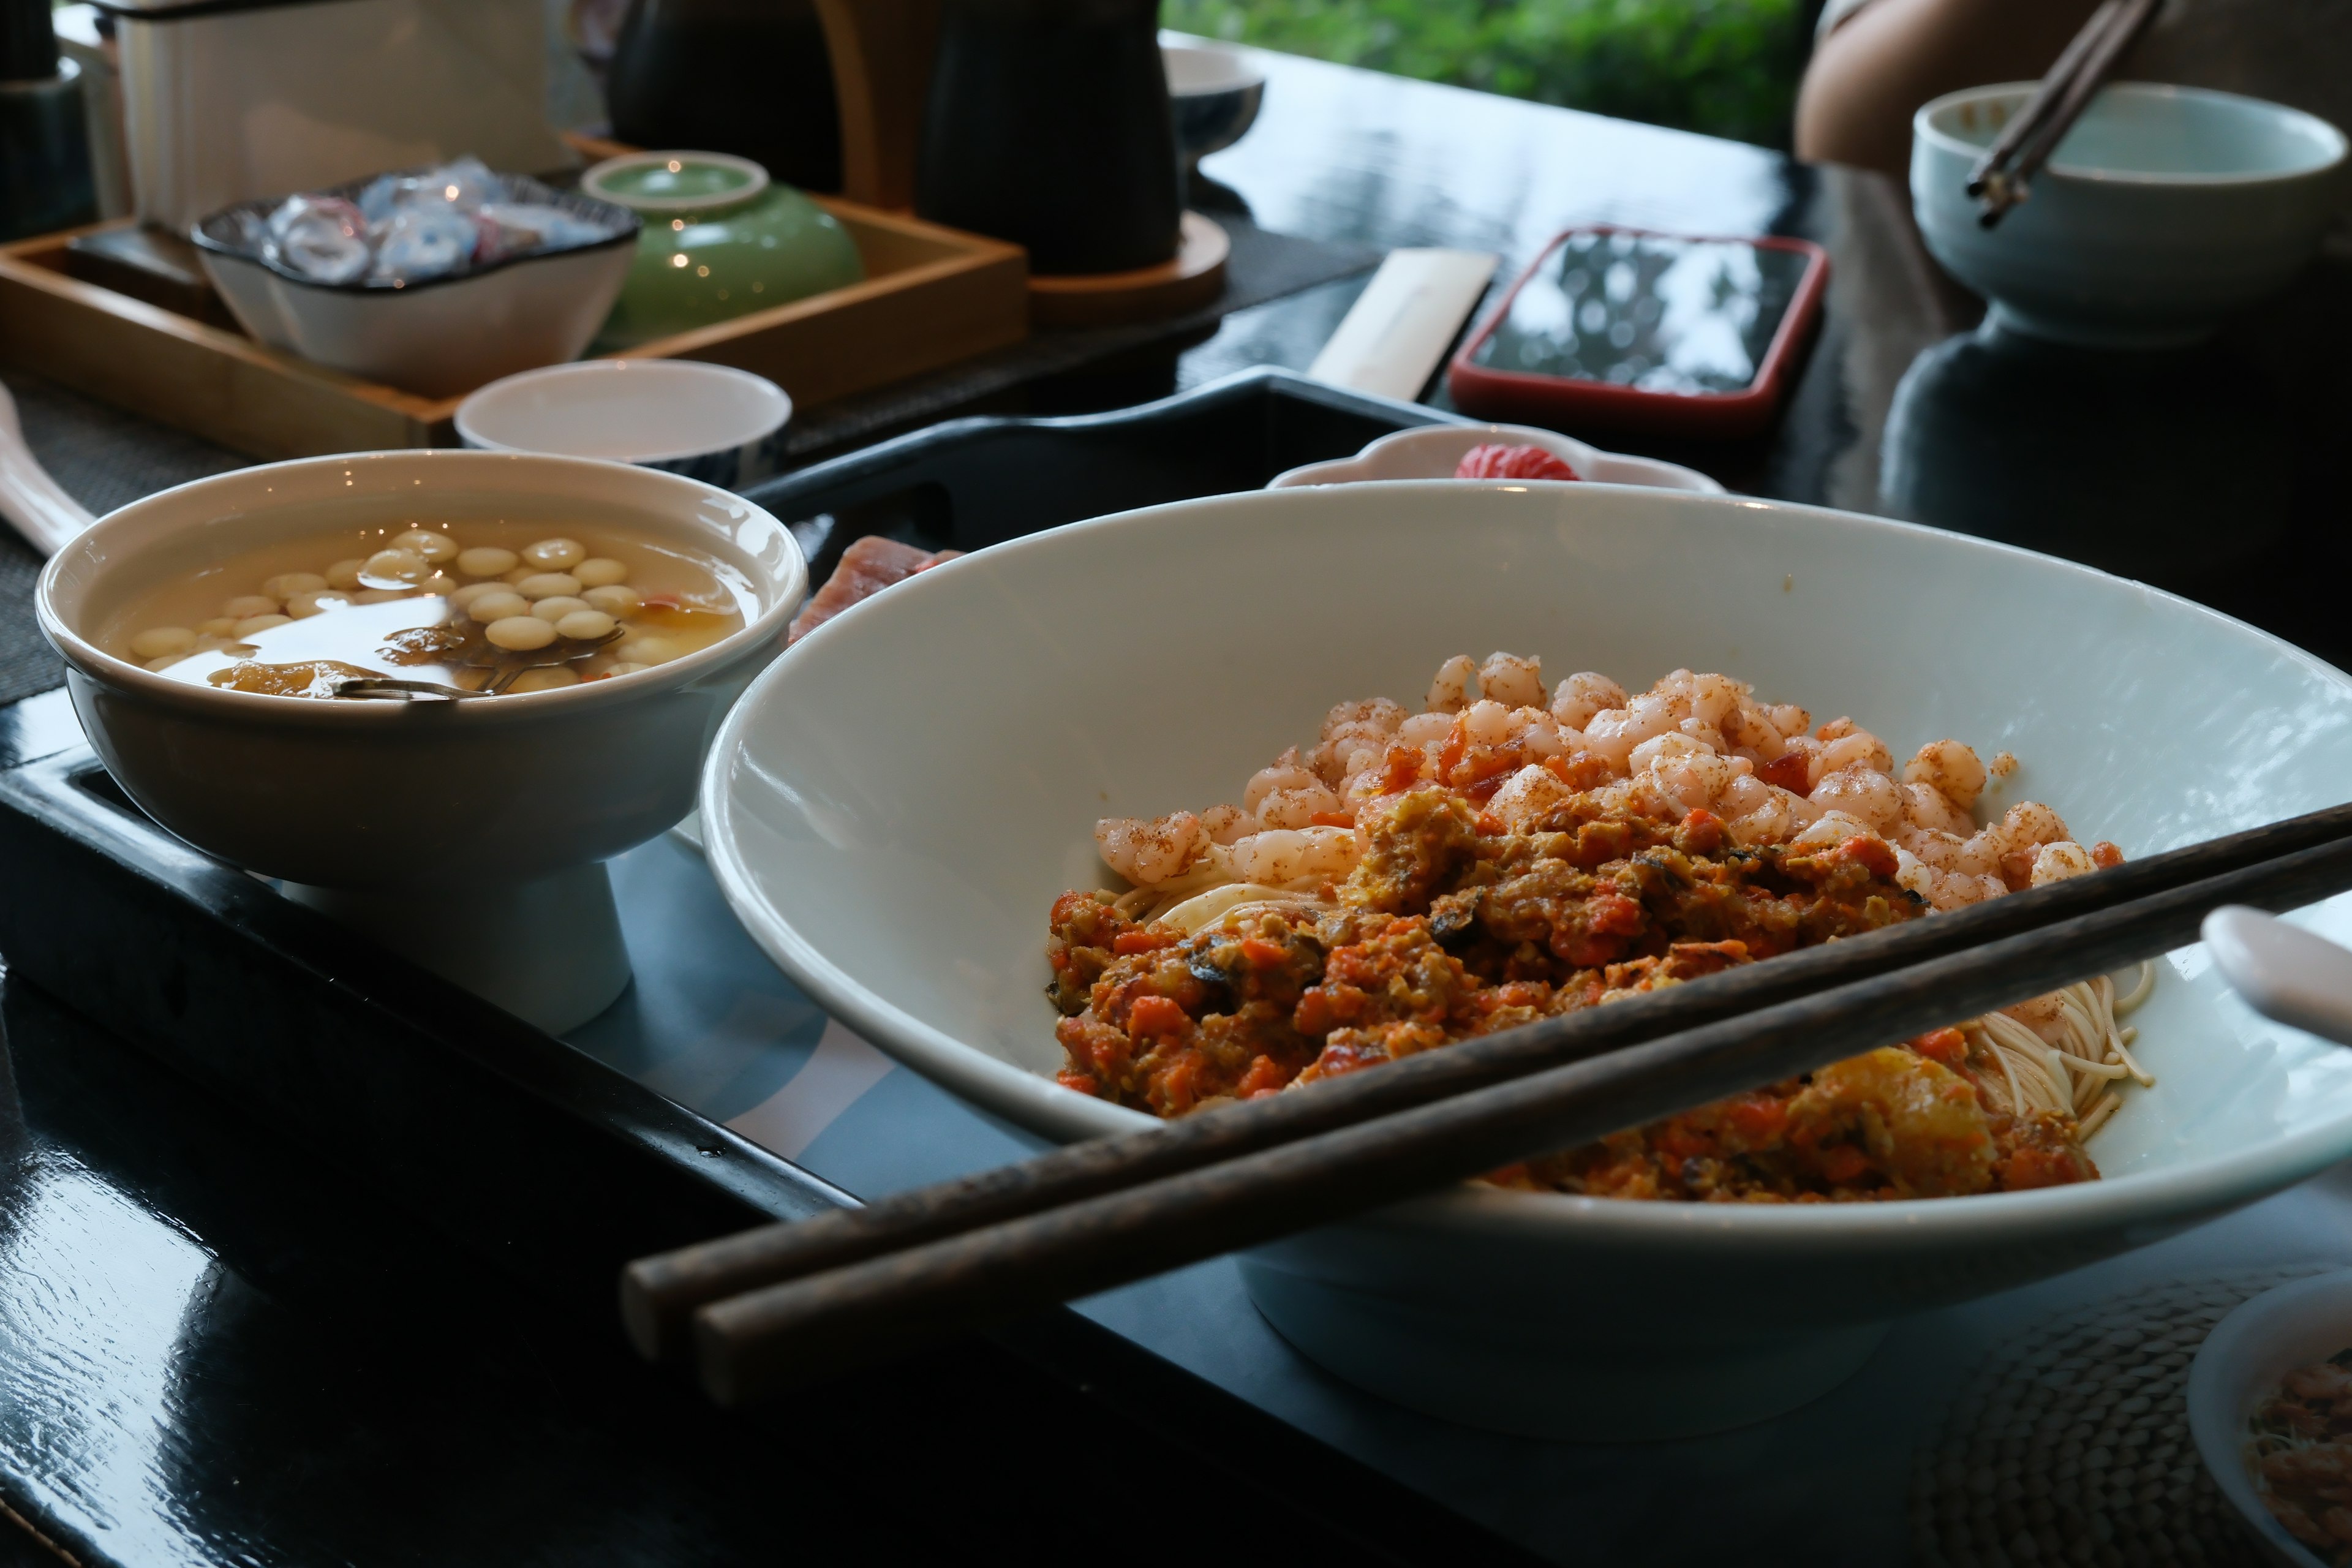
column 2022, row 124
column 660, row 1293
column 762, row 1343
column 2004, row 175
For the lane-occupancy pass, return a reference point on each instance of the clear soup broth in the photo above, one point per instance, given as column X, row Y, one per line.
column 502, row 606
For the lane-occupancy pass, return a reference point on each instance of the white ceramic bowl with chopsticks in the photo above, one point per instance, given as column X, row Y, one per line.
column 469, row 835
column 2162, row 211
column 896, row 802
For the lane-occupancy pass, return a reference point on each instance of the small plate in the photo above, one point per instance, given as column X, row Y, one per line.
column 1433, row 451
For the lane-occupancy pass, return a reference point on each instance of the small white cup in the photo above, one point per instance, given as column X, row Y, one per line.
column 706, row 422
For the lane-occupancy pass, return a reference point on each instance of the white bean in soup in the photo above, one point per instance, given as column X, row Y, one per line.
column 492, row 606
column 486, row 561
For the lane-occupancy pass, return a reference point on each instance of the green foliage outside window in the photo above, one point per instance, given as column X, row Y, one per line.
column 1729, row 68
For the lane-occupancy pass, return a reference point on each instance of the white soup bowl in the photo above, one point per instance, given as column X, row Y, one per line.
column 466, row 833
column 895, row 803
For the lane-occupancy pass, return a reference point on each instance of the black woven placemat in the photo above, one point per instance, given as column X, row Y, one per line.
column 2071, row 1444
column 104, row 458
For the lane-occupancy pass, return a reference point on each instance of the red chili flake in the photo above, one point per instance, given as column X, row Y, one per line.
column 1500, row 462
column 1871, row 854
column 1948, row 1047
column 1701, row 834
column 1843, row 1162
column 1789, row 771
column 1264, row 1076
column 1400, row 768
column 1155, row 1015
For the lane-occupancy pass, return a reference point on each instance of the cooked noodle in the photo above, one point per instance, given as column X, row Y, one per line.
column 2080, row 1074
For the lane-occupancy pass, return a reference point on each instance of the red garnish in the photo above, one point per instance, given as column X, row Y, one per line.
column 1871, row 854
column 1498, row 462
column 1789, row 771
column 1155, row 1015
column 1948, row 1047
column 1259, row 954
column 1841, row 1163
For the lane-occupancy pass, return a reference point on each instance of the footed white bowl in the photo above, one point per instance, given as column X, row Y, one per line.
column 465, row 835
column 2164, row 210
column 895, row 804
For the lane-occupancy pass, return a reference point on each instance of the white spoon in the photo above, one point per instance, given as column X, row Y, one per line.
column 2282, row 971
column 30, row 498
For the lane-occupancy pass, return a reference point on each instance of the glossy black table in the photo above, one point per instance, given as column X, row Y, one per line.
column 210, row 1352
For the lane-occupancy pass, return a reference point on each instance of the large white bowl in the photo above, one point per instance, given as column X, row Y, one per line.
column 895, row 803
column 470, row 826
column 2163, row 210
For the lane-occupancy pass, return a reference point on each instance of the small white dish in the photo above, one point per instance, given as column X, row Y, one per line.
column 1434, row 451
column 439, row 336
column 707, row 422
column 2163, row 210
column 901, row 872
column 2240, row 1365
column 1214, row 94
column 466, row 834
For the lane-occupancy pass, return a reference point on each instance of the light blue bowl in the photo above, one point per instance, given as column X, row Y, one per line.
column 2164, row 210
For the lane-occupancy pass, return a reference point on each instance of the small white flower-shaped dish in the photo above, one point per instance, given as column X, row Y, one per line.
column 709, row 422
column 2240, row 1365
column 1434, row 451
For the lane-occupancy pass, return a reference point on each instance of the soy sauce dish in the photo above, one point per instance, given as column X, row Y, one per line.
column 466, row 833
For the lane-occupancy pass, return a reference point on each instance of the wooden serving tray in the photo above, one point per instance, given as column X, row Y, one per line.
column 931, row 296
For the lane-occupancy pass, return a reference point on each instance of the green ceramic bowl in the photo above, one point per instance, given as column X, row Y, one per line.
column 720, row 240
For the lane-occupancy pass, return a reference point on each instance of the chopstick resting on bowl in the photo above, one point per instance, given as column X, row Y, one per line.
column 2004, row 175
column 791, row 1286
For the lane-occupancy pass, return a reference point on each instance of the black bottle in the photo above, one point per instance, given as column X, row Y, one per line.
column 747, row 77
column 1048, row 125
column 45, row 178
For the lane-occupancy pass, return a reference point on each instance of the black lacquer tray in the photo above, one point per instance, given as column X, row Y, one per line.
column 554, row 1168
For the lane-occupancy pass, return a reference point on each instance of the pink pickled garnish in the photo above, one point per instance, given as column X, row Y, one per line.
column 1500, row 462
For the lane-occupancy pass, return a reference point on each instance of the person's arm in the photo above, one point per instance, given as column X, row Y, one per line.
column 1871, row 71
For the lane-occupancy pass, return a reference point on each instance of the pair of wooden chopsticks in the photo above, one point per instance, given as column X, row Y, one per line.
column 770, row 1308
column 2004, row 175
